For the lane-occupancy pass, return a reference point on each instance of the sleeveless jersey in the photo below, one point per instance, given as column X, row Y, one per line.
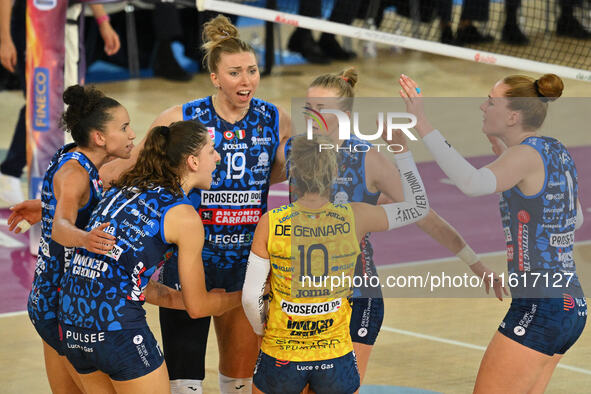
column 53, row 257
column 539, row 229
column 350, row 186
column 232, row 207
column 105, row 292
column 307, row 320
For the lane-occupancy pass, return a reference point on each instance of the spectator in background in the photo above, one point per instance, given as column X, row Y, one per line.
column 566, row 24
column 466, row 33
column 327, row 47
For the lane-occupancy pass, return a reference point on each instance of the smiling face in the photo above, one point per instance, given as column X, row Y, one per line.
column 318, row 98
column 497, row 116
column 238, row 77
column 117, row 134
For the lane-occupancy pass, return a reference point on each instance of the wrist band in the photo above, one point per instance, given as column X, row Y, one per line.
column 102, row 19
column 467, row 255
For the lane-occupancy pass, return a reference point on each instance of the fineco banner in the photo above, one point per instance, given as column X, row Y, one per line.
column 46, row 22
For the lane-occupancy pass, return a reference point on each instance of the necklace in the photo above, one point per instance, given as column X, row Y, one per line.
column 221, row 116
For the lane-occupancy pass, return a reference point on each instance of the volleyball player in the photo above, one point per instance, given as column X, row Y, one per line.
column 106, row 337
column 249, row 134
column 305, row 333
column 540, row 212
column 71, row 188
column 365, row 175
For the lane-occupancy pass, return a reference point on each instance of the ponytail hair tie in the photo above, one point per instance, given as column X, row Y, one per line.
column 164, row 131
column 345, row 79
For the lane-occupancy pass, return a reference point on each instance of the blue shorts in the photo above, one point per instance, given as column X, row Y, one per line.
column 216, row 277
column 338, row 375
column 49, row 331
column 366, row 319
column 547, row 325
column 368, row 305
column 122, row 354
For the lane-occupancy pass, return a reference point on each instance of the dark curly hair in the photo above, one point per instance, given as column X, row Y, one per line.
column 88, row 109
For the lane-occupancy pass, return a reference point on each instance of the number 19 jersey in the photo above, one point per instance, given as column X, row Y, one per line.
column 232, row 207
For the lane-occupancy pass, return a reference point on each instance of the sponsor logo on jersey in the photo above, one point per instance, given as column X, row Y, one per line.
column 321, row 308
column 115, row 253
column 571, row 221
column 565, row 257
column 145, row 219
column 235, row 146
column 557, row 196
column 282, row 268
column 554, row 184
column 343, row 267
column 527, row 318
column 562, row 240
column 230, row 240
column 510, row 252
column 85, row 337
column 136, row 278
column 87, row 266
column 252, row 182
column 230, row 217
column 308, row 328
column 523, row 216
column 280, row 363
column 508, row 237
column 232, row 198
column 523, row 240
column 343, row 180
column 519, row 331
column 568, row 302
column 211, row 132
column 554, row 210
column 295, row 344
column 98, row 186
column 261, row 140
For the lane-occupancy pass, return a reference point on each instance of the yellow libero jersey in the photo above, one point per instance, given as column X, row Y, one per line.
column 312, row 255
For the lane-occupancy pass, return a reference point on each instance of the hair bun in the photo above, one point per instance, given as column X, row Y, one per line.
column 219, row 29
column 74, row 95
column 549, row 86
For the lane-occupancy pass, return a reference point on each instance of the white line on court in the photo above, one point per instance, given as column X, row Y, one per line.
column 9, row 242
column 453, row 258
column 467, row 345
column 3, row 222
column 12, row 314
column 279, row 193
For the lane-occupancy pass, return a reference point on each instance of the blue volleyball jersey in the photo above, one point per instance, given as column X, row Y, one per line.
column 231, row 209
column 52, row 257
column 105, row 292
column 540, row 229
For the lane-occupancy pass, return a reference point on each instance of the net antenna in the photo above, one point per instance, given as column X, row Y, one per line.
column 408, row 42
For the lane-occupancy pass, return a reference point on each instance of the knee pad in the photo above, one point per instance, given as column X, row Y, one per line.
column 183, row 386
column 235, row 385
